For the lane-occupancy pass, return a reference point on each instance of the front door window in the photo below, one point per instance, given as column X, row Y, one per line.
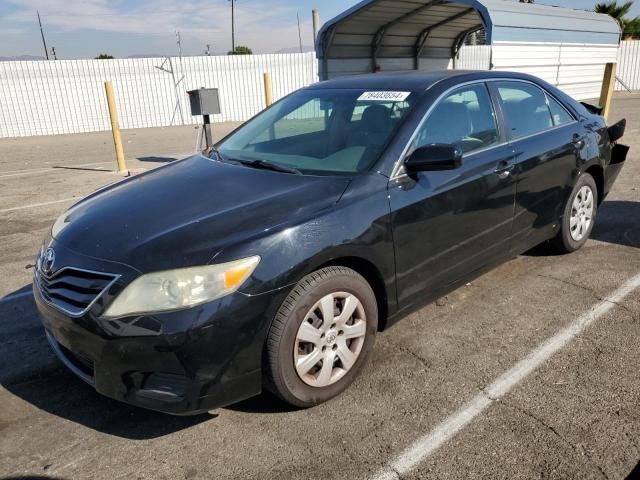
column 465, row 117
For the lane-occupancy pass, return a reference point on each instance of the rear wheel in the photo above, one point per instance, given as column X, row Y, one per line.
column 579, row 216
column 321, row 337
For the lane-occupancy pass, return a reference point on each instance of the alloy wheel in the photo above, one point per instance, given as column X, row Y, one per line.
column 581, row 213
column 329, row 339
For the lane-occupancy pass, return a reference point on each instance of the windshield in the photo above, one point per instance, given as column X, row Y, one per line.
column 321, row 131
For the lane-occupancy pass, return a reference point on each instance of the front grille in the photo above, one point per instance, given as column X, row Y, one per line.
column 73, row 290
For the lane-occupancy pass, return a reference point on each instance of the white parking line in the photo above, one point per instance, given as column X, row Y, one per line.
column 425, row 445
column 34, row 205
column 16, row 296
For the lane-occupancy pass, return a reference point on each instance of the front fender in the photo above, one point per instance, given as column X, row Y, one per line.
column 357, row 226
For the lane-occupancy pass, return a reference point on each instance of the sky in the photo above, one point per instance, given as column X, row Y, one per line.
column 86, row 28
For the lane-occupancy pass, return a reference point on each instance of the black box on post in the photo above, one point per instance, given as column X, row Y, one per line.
column 204, row 101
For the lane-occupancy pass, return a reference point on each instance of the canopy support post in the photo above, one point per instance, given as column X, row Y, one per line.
column 424, row 34
column 327, row 41
column 460, row 39
column 376, row 44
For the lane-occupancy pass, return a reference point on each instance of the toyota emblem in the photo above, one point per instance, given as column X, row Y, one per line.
column 48, row 259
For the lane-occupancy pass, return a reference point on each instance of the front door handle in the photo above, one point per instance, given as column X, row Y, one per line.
column 503, row 169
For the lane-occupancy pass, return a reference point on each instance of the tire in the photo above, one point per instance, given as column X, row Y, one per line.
column 330, row 288
column 567, row 240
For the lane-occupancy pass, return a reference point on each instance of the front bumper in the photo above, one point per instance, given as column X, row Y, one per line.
column 183, row 362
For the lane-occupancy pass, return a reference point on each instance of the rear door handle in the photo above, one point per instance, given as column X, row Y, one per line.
column 503, row 169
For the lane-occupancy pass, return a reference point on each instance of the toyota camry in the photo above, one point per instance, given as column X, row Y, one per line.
column 272, row 260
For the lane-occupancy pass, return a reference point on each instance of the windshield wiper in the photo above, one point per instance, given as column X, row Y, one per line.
column 216, row 152
column 269, row 166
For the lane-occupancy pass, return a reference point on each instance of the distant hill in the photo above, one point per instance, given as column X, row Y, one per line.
column 21, row 58
column 146, row 55
column 305, row 48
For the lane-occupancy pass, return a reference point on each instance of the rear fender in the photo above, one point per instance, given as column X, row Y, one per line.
column 618, row 157
column 616, row 131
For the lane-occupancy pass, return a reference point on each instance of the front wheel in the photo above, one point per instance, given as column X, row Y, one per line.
column 321, row 337
column 579, row 216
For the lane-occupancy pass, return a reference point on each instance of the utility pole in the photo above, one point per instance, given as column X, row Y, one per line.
column 316, row 23
column 179, row 43
column 299, row 34
column 207, row 52
column 46, row 52
column 233, row 28
column 53, row 52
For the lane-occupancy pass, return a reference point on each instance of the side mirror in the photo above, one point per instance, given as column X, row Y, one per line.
column 434, row 157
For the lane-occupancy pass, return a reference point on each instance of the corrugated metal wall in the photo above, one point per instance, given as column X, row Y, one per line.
column 629, row 65
column 474, row 57
column 67, row 96
column 343, row 67
column 530, row 23
column 576, row 69
column 471, row 57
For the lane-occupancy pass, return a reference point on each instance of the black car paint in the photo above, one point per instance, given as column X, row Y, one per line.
column 414, row 237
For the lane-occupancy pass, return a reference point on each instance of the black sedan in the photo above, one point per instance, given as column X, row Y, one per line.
column 274, row 260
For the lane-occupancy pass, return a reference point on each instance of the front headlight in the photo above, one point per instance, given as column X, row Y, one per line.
column 181, row 288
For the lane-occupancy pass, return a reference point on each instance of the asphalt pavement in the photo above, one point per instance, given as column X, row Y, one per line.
column 529, row 371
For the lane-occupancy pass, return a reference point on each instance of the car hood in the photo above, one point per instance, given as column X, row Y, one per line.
column 183, row 214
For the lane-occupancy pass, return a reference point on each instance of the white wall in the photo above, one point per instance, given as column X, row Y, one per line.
column 574, row 68
column 578, row 70
column 477, row 57
column 629, row 65
column 67, row 96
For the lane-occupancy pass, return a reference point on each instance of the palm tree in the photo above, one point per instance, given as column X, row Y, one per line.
column 632, row 29
column 630, row 26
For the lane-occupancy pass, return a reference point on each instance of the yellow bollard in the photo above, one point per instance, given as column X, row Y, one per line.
column 606, row 94
column 115, row 126
column 268, row 95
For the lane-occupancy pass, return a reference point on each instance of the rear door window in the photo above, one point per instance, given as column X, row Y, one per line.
column 559, row 114
column 525, row 107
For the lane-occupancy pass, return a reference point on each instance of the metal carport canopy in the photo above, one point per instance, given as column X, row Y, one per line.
column 435, row 29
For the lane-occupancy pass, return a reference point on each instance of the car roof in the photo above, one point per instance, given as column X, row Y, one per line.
column 414, row 81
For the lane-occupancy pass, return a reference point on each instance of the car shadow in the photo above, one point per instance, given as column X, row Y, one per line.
column 266, row 402
column 32, row 373
column 86, row 169
column 21, row 292
column 157, row 159
column 618, row 222
column 31, row 477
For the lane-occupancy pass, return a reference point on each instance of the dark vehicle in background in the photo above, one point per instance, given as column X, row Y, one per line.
column 326, row 218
